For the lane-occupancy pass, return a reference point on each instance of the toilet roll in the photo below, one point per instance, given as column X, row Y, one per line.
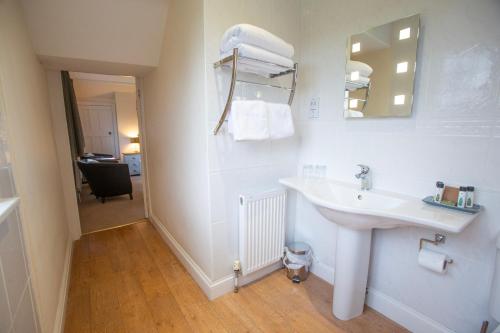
column 434, row 261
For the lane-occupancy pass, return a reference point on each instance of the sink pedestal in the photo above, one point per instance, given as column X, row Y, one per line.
column 351, row 272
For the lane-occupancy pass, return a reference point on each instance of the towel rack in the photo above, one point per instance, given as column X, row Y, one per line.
column 232, row 61
column 366, row 86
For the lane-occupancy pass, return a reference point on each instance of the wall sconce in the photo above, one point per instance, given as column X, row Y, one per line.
column 134, row 140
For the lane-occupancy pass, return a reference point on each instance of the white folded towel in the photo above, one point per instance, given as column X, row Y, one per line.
column 249, row 51
column 358, row 66
column 252, row 35
column 360, row 79
column 280, row 121
column 248, row 120
column 353, row 114
column 258, row 120
column 248, row 66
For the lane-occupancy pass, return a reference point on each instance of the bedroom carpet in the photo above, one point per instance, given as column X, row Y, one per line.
column 116, row 211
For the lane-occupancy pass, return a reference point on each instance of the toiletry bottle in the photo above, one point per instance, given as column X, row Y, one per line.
column 469, row 203
column 439, row 191
column 462, row 196
column 308, row 171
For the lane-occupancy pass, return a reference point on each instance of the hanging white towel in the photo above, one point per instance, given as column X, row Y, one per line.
column 248, row 120
column 258, row 120
column 252, row 35
column 249, row 51
column 353, row 114
column 358, row 66
column 280, row 121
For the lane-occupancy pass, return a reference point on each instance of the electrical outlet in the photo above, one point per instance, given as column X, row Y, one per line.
column 314, row 108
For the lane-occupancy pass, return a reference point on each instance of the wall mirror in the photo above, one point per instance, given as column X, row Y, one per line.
column 380, row 70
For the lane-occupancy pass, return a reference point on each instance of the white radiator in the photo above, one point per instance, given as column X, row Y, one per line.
column 261, row 229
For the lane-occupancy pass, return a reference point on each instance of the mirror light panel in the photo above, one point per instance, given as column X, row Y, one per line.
column 399, row 100
column 356, row 47
column 404, row 33
column 402, row 67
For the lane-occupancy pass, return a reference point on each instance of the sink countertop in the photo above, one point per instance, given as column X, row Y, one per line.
column 411, row 211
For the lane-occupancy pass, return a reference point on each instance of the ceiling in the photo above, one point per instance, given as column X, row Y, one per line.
column 121, row 37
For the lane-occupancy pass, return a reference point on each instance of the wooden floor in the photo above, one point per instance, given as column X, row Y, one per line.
column 127, row 280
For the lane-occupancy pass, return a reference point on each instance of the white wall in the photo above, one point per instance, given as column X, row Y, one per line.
column 110, row 36
column 240, row 167
column 17, row 310
column 34, row 159
column 194, row 177
column 453, row 135
column 128, row 123
column 176, row 134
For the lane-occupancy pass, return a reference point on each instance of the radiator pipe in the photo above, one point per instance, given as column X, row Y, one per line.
column 484, row 327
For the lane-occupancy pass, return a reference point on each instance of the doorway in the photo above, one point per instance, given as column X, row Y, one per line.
column 108, row 175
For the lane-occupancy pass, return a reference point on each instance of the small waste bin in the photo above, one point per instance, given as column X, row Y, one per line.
column 297, row 261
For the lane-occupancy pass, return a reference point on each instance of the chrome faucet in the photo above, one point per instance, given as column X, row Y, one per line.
column 365, row 177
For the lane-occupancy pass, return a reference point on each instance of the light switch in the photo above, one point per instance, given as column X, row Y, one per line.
column 314, row 108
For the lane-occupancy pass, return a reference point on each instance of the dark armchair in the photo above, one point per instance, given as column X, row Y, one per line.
column 107, row 179
column 108, row 158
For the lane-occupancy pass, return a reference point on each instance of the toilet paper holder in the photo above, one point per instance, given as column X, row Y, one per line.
column 438, row 239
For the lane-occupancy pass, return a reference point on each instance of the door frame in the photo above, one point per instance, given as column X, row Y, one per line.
column 114, row 120
column 76, row 225
column 141, row 117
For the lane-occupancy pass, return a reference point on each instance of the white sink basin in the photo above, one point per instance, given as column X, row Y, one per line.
column 346, row 205
column 356, row 213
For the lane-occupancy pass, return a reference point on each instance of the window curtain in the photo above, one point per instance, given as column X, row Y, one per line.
column 75, row 132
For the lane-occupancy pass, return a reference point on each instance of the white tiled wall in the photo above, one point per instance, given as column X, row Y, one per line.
column 238, row 167
column 17, row 313
column 453, row 135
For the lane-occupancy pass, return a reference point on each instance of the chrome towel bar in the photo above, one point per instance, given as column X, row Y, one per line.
column 264, row 84
column 278, row 71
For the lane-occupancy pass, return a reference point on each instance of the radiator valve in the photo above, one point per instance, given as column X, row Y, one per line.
column 236, row 270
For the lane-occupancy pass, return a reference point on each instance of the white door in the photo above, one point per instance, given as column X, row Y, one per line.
column 99, row 128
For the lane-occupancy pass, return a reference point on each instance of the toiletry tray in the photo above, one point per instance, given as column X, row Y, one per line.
column 430, row 200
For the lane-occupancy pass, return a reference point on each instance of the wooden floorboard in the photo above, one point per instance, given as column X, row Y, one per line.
column 127, row 280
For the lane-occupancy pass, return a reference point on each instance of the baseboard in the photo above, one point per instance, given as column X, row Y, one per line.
column 63, row 291
column 323, row 271
column 212, row 289
column 388, row 306
column 403, row 314
column 191, row 266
